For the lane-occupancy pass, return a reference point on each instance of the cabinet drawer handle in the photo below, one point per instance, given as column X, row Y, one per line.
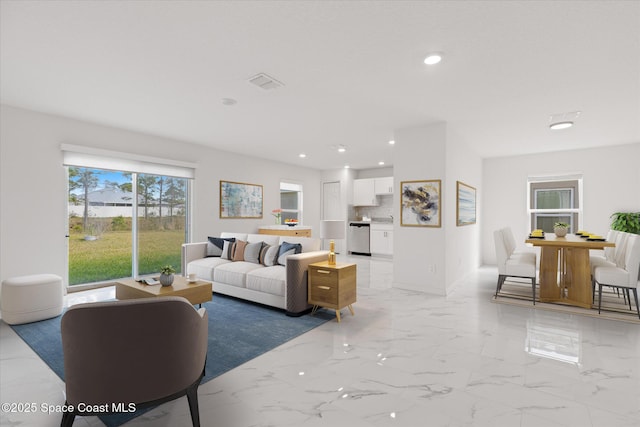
column 325, row 288
column 324, row 272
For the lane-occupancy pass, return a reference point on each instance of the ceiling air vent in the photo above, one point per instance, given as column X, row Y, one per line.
column 265, row 82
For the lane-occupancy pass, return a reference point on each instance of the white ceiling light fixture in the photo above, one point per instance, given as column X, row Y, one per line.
column 433, row 58
column 381, row 163
column 347, row 166
column 302, row 155
column 229, row 102
column 391, row 142
column 341, row 148
column 561, row 125
column 563, row 120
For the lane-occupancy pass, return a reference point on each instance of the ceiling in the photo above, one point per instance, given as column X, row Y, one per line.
column 353, row 72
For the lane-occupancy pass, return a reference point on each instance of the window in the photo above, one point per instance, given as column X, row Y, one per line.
column 291, row 201
column 554, row 200
column 128, row 215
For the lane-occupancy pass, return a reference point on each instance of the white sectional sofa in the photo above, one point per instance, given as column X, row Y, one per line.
column 281, row 286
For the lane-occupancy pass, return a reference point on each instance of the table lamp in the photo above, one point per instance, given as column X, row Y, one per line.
column 332, row 229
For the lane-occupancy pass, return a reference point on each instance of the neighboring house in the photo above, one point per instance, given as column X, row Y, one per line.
column 113, row 201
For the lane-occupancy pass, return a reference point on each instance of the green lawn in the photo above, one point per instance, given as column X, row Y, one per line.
column 109, row 257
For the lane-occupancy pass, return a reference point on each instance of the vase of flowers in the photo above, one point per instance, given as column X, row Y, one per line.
column 277, row 213
column 166, row 275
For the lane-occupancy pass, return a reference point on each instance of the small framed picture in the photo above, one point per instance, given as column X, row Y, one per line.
column 465, row 204
column 420, row 203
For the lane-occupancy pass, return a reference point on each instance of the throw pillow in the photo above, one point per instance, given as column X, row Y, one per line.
column 227, row 250
column 238, row 250
column 252, row 252
column 215, row 245
column 270, row 256
column 287, row 249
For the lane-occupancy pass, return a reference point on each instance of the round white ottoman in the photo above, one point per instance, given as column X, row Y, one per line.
column 27, row 299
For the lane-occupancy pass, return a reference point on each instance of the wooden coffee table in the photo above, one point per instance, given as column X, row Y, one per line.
column 195, row 293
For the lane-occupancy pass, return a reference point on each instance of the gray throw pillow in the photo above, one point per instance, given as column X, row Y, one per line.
column 252, row 252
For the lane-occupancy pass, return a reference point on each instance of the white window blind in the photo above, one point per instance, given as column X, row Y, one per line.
column 88, row 157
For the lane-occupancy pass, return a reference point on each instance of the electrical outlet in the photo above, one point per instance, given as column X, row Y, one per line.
column 432, row 268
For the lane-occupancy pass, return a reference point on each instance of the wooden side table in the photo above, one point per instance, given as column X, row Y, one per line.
column 332, row 286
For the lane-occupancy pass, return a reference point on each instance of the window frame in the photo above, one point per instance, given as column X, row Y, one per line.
column 573, row 183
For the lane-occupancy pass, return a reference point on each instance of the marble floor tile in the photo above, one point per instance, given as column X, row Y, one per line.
column 404, row 359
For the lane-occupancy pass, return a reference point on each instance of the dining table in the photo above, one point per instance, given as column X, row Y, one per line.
column 565, row 271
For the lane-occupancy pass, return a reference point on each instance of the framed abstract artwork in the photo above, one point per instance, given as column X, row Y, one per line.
column 240, row 200
column 465, row 204
column 420, row 203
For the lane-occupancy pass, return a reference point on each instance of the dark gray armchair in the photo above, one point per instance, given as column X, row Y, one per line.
column 141, row 351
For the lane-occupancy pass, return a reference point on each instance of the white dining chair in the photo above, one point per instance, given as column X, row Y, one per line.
column 512, row 263
column 624, row 275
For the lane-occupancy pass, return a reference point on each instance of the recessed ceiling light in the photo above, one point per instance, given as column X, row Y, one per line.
column 381, row 163
column 347, row 166
column 433, row 58
column 561, row 125
column 302, row 155
column 391, row 142
column 229, row 101
column 342, row 148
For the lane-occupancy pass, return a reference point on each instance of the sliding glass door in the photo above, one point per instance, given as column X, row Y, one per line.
column 161, row 221
column 107, row 241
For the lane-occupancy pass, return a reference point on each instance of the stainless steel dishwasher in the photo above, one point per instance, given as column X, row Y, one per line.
column 359, row 238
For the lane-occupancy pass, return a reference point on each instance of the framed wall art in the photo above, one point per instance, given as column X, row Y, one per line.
column 240, row 200
column 465, row 204
column 420, row 203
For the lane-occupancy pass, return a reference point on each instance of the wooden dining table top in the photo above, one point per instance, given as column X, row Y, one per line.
column 569, row 241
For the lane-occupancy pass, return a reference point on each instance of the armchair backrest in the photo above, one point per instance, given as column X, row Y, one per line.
column 133, row 351
column 610, row 253
column 502, row 252
column 632, row 258
column 509, row 240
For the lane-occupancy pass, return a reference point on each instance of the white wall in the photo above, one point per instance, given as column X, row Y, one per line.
column 418, row 252
column 33, row 198
column 462, row 243
column 611, row 183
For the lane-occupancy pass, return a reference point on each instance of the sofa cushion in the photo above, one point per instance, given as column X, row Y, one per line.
column 287, row 249
column 203, row 267
column 269, row 255
column 252, row 252
column 267, row 238
column 270, row 280
column 237, row 236
column 309, row 244
column 238, row 250
column 233, row 273
column 215, row 245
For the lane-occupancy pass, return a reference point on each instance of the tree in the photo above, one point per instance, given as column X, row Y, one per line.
column 175, row 194
column 86, row 180
column 146, row 187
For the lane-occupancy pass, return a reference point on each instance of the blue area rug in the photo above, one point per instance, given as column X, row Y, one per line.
column 238, row 332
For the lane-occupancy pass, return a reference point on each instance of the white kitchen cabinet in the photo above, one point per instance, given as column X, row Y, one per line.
column 364, row 193
column 381, row 239
column 383, row 185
